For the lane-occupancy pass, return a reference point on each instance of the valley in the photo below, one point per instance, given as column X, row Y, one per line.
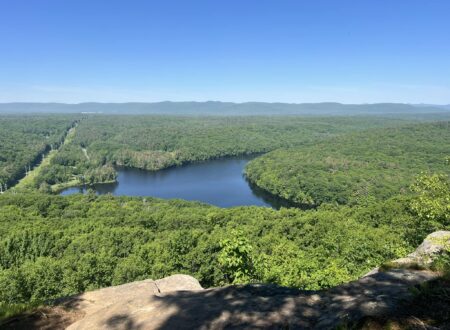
column 303, row 202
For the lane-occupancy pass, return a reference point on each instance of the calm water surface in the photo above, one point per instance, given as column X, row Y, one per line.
column 219, row 182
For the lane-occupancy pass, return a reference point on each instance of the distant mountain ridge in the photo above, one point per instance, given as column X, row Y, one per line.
column 224, row 108
column 440, row 106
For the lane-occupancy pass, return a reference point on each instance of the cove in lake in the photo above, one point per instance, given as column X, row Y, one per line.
column 218, row 182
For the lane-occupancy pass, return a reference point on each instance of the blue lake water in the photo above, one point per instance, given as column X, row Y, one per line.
column 218, row 182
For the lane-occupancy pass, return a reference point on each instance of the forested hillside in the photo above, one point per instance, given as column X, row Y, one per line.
column 82, row 242
column 156, row 142
column 23, row 140
column 353, row 168
column 52, row 246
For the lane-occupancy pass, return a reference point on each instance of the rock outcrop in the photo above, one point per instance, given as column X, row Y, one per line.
column 179, row 302
column 433, row 245
column 124, row 306
column 143, row 305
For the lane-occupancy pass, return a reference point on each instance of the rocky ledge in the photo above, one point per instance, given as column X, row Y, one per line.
column 179, row 302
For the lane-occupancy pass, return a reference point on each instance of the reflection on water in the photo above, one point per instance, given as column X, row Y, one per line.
column 218, row 182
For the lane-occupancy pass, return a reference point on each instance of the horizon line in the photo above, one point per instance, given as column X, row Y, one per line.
column 217, row 101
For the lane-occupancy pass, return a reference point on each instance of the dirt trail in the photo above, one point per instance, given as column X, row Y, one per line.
column 86, row 154
column 28, row 180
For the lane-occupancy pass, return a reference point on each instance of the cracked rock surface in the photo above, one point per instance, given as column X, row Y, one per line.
column 179, row 302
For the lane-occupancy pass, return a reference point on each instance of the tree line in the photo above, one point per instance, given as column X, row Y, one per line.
column 157, row 142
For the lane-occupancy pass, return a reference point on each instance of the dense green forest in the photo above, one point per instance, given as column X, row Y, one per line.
column 25, row 138
column 354, row 167
column 363, row 174
column 51, row 246
column 156, row 142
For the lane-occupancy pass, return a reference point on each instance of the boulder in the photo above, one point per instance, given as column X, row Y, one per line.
column 177, row 283
column 433, row 245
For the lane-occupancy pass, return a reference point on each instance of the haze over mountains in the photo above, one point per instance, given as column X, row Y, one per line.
column 225, row 108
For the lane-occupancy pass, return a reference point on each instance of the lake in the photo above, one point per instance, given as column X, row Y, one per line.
column 218, row 182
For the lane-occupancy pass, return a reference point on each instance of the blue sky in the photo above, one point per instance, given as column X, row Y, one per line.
column 359, row 51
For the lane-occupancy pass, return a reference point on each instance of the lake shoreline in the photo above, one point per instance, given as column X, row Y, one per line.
column 220, row 182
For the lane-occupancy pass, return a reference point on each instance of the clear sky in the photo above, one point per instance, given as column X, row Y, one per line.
column 358, row 51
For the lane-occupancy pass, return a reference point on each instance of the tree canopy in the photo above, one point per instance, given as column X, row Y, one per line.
column 351, row 168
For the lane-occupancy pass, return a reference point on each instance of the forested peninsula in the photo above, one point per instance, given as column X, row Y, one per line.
column 356, row 167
